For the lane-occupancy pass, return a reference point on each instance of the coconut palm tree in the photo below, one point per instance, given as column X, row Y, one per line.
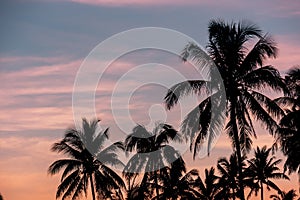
column 229, row 176
column 289, row 131
column 208, row 188
column 244, row 76
column 262, row 168
column 290, row 195
column 177, row 184
column 228, row 170
column 88, row 163
column 134, row 194
column 152, row 153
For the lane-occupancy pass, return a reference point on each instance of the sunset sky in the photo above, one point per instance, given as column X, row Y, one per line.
column 44, row 42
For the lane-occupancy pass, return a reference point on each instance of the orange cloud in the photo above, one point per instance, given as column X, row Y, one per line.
column 24, row 168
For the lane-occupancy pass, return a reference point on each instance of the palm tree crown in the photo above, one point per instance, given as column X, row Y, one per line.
column 244, row 77
column 176, row 184
column 229, row 181
column 152, row 154
column 209, row 186
column 88, row 161
column 262, row 168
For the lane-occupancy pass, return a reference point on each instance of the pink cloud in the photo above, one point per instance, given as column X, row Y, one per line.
column 30, row 59
column 289, row 53
column 41, row 97
column 135, row 2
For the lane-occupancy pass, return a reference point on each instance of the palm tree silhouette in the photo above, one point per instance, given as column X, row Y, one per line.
column 228, row 170
column 261, row 169
column 176, row 184
column 209, row 187
column 290, row 195
column 243, row 76
column 152, row 154
column 290, row 124
column 133, row 193
column 88, row 163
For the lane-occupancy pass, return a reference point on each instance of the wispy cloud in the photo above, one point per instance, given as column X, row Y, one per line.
column 136, row 2
column 289, row 51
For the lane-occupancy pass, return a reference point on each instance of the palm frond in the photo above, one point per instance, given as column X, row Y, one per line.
column 56, row 166
column 80, row 189
column 269, row 104
column 264, row 48
column 260, row 113
column 136, row 163
column 67, row 182
column 265, row 77
column 65, row 148
column 109, row 155
column 113, row 176
column 176, row 92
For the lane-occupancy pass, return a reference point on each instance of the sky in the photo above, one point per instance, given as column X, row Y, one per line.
column 43, row 43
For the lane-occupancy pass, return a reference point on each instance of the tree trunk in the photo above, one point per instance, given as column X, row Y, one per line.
column 156, row 184
column 261, row 191
column 233, row 194
column 92, row 186
column 237, row 147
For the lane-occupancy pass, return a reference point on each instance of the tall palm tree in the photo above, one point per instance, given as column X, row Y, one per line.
column 88, row 163
column 244, row 77
column 152, row 154
column 290, row 195
column 262, row 168
column 289, row 130
column 208, row 187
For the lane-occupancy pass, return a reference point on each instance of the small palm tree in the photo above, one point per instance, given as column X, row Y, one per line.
column 176, row 184
column 228, row 170
column 262, row 169
column 152, row 154
column 244, row 77
column 290, row 195
column 208, row 188
column 88, row 163
column 133, row 193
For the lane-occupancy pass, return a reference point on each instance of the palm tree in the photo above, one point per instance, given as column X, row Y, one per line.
column 177, row 184
column 229, row 176
column 244, row 77
column 209, row 187
column 261, row 169
column 289, row 131
column 228, row 170
column 134, row 194
column 152, row 154
column 290, row 195
column 88, row 163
